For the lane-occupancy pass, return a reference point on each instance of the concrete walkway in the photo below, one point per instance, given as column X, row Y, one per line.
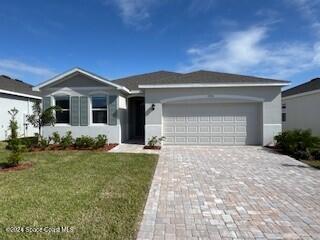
column 231, row 193
column 133, row 148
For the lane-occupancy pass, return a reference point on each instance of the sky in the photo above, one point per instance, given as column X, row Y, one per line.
column 115, row 38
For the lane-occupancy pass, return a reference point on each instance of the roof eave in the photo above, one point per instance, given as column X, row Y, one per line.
column 19, row 94
column 203, row 85
column 74, row 70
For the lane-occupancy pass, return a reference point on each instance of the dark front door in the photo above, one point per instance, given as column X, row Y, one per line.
column 136, row 117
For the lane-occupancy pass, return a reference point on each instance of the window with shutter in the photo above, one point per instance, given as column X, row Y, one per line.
column 63, row 116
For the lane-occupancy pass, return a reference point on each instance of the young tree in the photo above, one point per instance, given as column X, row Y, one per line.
column 13, row 142
column 40, row 118
column 13, row 125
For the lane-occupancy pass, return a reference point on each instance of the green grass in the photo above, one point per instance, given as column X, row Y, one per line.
column 101, row 195
column 312, row 163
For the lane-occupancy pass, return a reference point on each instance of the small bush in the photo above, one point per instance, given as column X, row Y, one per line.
column 14, row 159
column 84, row 142
column 316, row 154
column 29, row 142
column 67, row 140
column 302, row 155
column 154, row 141
column 56, row 138
column 100, row 141
column 297, row 143
column 44, row 142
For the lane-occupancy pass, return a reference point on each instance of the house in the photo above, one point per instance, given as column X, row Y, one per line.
column 195, row 108
column 16, row 94
column 300, row 107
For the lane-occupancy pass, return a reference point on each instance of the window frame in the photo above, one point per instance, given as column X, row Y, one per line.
column 92, row 109
column 284, row 117
column 284, row 106
column 63, row 109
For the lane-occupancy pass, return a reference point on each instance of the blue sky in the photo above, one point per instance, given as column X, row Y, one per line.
column 114, row 38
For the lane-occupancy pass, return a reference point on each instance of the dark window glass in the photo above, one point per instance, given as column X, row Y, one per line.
column 99, row 102
column 99, row 116
column 63, row 102
column 62, row 117
column 284, row 117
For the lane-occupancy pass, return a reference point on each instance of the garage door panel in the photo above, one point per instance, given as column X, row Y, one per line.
column 207, row 124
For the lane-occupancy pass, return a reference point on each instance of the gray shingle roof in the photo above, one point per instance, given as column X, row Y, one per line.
column 132, row 82
column 163, row 77
column 312, row 85
column 17, row 86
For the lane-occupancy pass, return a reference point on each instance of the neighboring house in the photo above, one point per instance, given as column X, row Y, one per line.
column 300, row 107
column 196, row 108
column 16, row 94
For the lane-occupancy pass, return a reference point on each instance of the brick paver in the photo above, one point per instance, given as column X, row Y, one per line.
column 231, row 193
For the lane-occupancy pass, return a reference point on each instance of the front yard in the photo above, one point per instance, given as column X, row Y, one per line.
column 98, row 195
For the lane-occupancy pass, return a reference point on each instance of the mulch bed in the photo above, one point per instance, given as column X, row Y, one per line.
column 152, row 147
column 19, row 167
column 54, row 147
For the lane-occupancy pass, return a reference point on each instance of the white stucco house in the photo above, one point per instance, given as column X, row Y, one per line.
column 16, row 94
column 300, row 107
column 198, row 108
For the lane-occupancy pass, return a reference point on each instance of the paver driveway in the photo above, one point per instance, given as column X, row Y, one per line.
column 231, row 193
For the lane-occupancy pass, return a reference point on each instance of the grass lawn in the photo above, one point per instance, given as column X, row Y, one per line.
column 100, row 195
column 312, row 163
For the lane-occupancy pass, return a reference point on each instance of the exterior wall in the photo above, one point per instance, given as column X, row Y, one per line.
column 24, row 106
column 302, row 112
column 87, row 87
column 123, row 117
column 112, row 132
column 269, row 97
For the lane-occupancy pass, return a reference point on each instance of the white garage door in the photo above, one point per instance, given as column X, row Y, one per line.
column 211, row 124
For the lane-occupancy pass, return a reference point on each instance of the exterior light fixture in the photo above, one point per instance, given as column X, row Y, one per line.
column 153, row 106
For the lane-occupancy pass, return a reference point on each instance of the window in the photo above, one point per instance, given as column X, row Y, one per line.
column 284, row 117
column 99, row 110
column 63, row 116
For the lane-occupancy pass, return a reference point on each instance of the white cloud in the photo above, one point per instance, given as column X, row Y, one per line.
column 247, row 52
column 18, row 68
column 134, row 12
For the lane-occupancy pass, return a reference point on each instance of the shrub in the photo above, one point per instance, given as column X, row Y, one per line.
column 302, row 155
column 315, row 154
column 84, row 142
column 29, row 142
column 155, row 141
column 56, row 138
column 67, row 140
column 297, row 143
column 44, row 142
column 100, row 141
column 14, row 159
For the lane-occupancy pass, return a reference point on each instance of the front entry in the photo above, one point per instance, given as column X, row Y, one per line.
column 136, row 118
